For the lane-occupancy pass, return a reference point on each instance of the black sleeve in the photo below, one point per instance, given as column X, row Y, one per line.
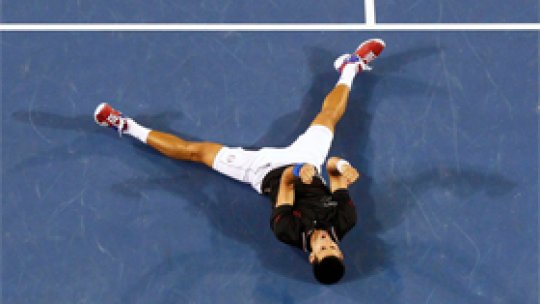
column 286, row 225
column 346, row 212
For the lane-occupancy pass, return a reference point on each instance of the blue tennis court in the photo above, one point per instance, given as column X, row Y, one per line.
column 300, row 11
column 165, row 11
column 457, row 11
column 444, row 131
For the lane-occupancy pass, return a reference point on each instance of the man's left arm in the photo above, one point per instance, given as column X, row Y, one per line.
column 345, row 218
column 342, row 175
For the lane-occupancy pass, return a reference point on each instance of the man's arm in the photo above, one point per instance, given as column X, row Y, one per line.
column 341, row 175
column 284, row 222
column 286, row 188
column 346, row 212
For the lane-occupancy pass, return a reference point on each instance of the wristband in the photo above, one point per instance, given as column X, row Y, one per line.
column 297, row 168
column 340, row 164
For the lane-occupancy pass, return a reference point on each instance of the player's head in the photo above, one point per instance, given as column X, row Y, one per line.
column 326, row 258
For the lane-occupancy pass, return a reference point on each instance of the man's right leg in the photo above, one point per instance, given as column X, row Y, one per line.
column 168, row 144
column 177, row 148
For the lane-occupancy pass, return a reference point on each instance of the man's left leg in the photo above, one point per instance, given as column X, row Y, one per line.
column 335, row 102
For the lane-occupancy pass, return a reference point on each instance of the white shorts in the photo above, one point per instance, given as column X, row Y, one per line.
column 252, row 166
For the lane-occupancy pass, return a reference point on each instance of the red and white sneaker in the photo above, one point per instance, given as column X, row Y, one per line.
column 366, row 52
column 107, row 116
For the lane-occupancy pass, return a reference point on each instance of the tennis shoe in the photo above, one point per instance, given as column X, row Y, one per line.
column 366, row 52
column 107, row 116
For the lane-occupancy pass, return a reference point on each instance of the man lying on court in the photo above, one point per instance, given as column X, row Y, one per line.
column 307, row 213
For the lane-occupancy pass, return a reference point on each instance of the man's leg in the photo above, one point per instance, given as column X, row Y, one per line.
column 335, row 102
column 177, row 148
column 334, row 106
column 168, row 144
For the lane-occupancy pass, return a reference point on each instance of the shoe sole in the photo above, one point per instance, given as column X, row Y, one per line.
column 370, row 40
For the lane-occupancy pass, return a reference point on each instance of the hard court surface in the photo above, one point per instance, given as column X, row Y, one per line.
column 444, row 131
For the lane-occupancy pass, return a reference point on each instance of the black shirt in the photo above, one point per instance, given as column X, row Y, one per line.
column 315, row 207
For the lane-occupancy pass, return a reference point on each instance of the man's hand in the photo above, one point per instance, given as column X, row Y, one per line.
column 342, row 177
column 307, row 172
column 350, row 173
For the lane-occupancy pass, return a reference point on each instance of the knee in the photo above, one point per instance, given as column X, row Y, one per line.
column 193, row 152
column 332, row 113
column 184, row 151
column 329, row 117
column 202, row 152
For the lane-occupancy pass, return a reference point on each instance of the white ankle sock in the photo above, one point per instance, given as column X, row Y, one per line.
column 348, row 74
column 136, row 130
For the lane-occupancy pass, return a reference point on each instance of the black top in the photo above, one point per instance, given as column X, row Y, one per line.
column 315, row 207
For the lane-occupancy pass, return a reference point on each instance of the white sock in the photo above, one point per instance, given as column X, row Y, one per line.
column 348, row 74
column 136, row 130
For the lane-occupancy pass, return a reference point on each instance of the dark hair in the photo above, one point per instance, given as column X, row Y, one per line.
column 328, row 270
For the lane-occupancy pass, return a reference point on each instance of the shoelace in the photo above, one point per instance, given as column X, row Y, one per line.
column 121, row 125
column 358, row 60
column 365, row 66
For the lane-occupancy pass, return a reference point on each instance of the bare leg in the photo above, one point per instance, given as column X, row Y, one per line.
column 336, row 101
column 333, row 107
column 178, row 148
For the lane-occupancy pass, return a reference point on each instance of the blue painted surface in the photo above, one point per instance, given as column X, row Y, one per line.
column 337, row 11
column 457, row 11
column 183, row 11
column 445, row 131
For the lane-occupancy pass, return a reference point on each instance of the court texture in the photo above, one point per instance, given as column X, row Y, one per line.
column 444, row 131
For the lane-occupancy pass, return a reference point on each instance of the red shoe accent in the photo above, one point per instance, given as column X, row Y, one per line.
column 107, row 116
column 366, row 52
column 370, row 49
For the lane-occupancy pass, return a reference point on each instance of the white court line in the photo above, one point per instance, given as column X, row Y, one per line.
column 213, row 27
column 369, row 9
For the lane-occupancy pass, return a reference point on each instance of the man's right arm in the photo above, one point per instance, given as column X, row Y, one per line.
column 286, row 188
column 285, row 224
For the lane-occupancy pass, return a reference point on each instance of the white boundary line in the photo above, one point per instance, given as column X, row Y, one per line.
column 369, row 9
column 213, row 27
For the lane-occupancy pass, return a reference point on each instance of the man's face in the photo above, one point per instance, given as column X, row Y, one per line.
column 322, row 246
